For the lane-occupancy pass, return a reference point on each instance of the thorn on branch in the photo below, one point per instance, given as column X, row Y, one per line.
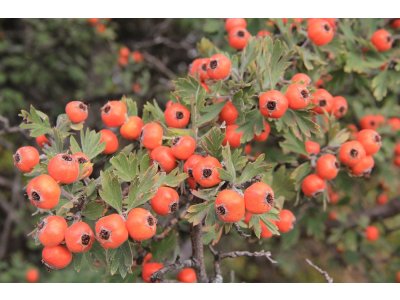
column 328, row 278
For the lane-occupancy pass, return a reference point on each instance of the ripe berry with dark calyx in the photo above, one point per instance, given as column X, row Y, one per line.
column 165, row 201
column 110, row 139
column 382, row 40
column 238, row 38
column 301, row 78
column 111, row 231
column 43, row 192
column 51, row 231
column 205, row 172
column 132, row 128
column 313, row 185
column 194, row 66
column 79, row 237
column 32, row 275
column 259, row 198
column 350, row 153
column 202, row 73
column 141, row 224
column 273, row 104
column 382, row 199
column 219, row 67
column 63, row 168
column 152, row 135
column 363, row 167
column 286, row 221
column 339, row 107
column 26, row 158
column 320, row 32
column 177, row 116
column 371, row 233
column 114, row 113
column 86, row 166
column 263, row 136
column 164, row 157
column 42, row 140
column 148, row 269
column 77, row 111
column 57, row 257
column 188, row 169
column 327, row 166
column 229, row 206
column 298, row 96
column 371, row 141
column 370, row 122
column 229, row 113
column 323, row 101
column 232, row 136
column 187, row 275
column 183, row 147
column 235, row 22
column 312, row 147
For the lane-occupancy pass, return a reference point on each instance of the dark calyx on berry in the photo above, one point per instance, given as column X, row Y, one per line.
column 213, row 64
column 327, row 27
column 353, row 153
column 271, row 105
column 173, row 207
column 35, row 196
column 240, row 33
column 105, row 234
column 342, row 109
column 207, row 173
column 221, row 210
column 270, row 199
column 322, row 102
column 67, row 157
column 82, row 107
column 107, row 108
column 82, row 160
column 378, row 138
column 176, row 140
column 150, row 221
column 17, row 158
column 304, row 93
column 337, row 165
column 85, row 239
column 179, row 115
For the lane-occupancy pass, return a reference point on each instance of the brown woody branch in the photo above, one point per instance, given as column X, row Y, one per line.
column 158, row 276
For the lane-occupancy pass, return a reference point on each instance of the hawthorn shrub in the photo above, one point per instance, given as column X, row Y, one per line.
column 275, row 135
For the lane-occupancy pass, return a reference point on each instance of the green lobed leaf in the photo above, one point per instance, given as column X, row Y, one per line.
column 125, row 166
column 110, row 190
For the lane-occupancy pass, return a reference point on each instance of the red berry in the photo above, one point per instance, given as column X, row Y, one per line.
column 164, row 157
column 298, row 96
column 363, row 166
column 259, row 198
column 183, row 147
column 152, row 135
column 141, row 224
column 165, row 201
column 312, row 148
column 232, row 136
column 263, row 136
column 235, row 22
column 371, row 233
column 301, row 78
column 51, row 231
column 187, row 275
column 238, row 38
column 26, row 158
column 229, row 113
column 110, row 139
column 273, row 104
column 148, row 269
column 132, row 128
column 327, row 167
column 79, row 237
column 76, row 111
column 42, row 140
column 205, row 172
column 320, row 32
column 286, row 220
column 177, row 116
column 43, row 192
column 32, row 275
column 339, row 107
column 350, row 153
column 111, row 231
column 382, row 199
column 371, row 141
column 229, row 206
column 64, row 168
column 219, row 67
column 323, row 101
column 312, row 185
column 382, row 40
column 57, row 257
column 114, row 113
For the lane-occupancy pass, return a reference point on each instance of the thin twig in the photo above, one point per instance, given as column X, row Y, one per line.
column 262, row 253
column 158, row 276
column 328, row 278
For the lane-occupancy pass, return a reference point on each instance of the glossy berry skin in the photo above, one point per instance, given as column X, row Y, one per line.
column 152, row 135
column 111, row 231
column 339, row 107
column 298, row 96
column 382, row 199
column 371, row 233
column 320, row 32
column 273, row 104
column 79, row 237
column 51, row 231
column 165, row 201
column 323, row 101
column 219, row 67
column 327, row 167
column 43, row 192
column 286, row 220
column 238, row 38
column 301, row 78
column 63, row 168
column 370, row 122
column 86, row 165
column 350, row 153
column 205, row 172
column 110, row 139
column 148, row 269
column 177, row 116
column 42, row 140
column 187, row 275
column 229, row 206
column 141, row 224
column 382, row 40
column 263, row 136
column 229, row 113
column 57, row 257
column 32, row 275
column 313, row 185
column 235, row 22
column 164, row 157
column 132, row 128
column 312, row 147
column 114, row 113
column 363, row 166
column 77, row 111
column 371, row 141
column 188, row 168
column 26, row 158
column 232, row 136
column 183, row 147
column 259, row 198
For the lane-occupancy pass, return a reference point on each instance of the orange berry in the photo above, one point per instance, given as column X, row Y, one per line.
column 232, row 136
column 110, row 139
column 51, row 231
column 370, row 122
column 238, row 38
column 219, row 67
column 298, row 96
column 382, row 199
column 124, row 51
column 141, row 224
column 111, row 231
column 350, row 153
column 320, row 32
column 165, row 201
column 394, row 123
column 79, row 237
column 263, row 136
column 312, row 185
column 382, row 40
column 312, row 148
column 371, row 233
column 183, row 147
column 42, row 140
column 64, row 168
column 235, row 22
column 76, row 111
column 32, row 275
column 205, row 172
column 57, row 257
column 43, row 192
column 273, row 104
column 137, row 57
column 86, row 166
column 132, row 128
column 26, row 158
column 263, row 33
column 187, row 275
column 114, row 113
column 177, row 116
column 164, row 157
column 148, row 269
column 363, row 166
column 229, row 113
column 229, row 206
column 301, row 78
column 339, row 107
column 327, row 167
column 286, row 221
column 323, row 101
column 152, row 135
column 259, row 198
column 371, row 141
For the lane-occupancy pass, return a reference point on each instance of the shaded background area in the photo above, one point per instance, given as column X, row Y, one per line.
column 47, row 63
